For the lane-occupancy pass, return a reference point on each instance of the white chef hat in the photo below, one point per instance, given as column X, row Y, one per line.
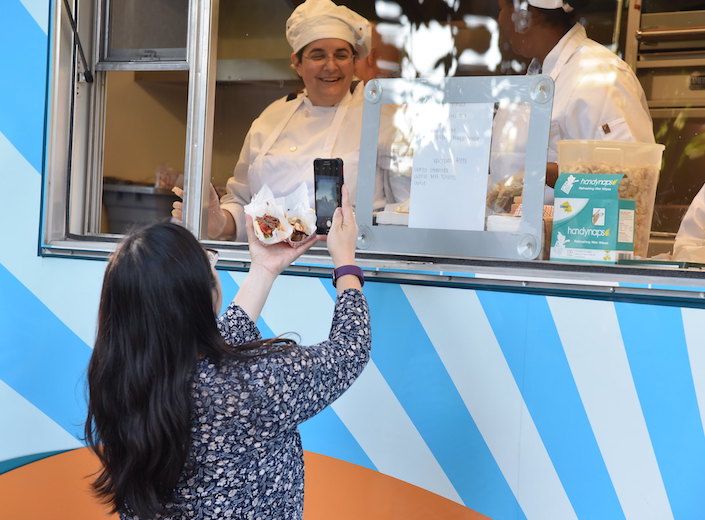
column 552, row 4
column 316, row 19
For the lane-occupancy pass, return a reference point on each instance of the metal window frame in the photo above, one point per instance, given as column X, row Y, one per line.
column 73, row 179
column 66, row 172
column 535, row 90
column 168, row 60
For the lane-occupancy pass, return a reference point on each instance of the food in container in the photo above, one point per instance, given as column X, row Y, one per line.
column 639, row 162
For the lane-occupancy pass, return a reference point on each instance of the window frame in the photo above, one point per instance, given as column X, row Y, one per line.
column 72, row 186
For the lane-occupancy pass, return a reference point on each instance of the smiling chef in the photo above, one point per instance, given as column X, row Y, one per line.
column 321, row 121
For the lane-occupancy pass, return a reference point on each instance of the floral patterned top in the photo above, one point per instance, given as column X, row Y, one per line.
column 246, row 460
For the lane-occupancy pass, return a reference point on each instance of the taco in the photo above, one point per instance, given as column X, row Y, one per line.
column 268, row 224
column 299, row 234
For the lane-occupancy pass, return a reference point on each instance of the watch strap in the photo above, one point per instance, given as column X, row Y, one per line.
column 348, row 269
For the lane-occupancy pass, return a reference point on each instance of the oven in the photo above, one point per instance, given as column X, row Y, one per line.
column 664, row 28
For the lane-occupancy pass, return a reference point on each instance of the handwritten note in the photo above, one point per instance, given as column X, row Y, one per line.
column 451, row 160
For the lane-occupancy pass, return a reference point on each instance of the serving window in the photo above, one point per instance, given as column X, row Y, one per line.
column 453, row 147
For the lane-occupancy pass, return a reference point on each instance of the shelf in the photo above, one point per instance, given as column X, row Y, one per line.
column 254, row 70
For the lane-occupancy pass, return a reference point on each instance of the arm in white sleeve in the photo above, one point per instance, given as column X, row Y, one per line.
column 613, row 111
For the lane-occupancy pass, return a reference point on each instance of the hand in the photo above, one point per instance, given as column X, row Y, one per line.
column 342, row 237
column 272, row 259
column 217, row 218
column 177, row 210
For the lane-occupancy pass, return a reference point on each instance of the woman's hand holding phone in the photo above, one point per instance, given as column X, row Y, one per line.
column 342, row 237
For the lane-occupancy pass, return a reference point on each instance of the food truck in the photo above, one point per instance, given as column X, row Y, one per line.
column 502, row 384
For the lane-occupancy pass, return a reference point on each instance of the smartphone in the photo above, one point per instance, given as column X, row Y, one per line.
column 328, row 182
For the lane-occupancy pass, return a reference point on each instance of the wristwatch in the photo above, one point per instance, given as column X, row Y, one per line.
column 348, row 269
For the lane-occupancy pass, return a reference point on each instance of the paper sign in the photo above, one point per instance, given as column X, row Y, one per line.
column 451, row 160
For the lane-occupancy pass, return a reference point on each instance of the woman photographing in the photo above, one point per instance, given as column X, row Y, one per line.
column 194, row 416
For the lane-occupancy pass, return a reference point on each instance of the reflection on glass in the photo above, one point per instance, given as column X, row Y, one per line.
column 432, row 165
column 145, row 132
column 683, row 171
column 509, row 138
column 151, row 31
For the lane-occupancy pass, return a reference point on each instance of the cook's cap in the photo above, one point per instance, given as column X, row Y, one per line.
column 552, row 4
column 316, row 19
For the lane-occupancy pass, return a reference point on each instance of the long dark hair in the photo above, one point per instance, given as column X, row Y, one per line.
column 155, row 320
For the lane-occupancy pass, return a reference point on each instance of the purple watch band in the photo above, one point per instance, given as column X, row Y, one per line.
column 348, row 269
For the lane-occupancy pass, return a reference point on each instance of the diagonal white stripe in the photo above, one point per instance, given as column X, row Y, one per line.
column 374, row 416
column 285, row 310
column 69, row 288
column 469, row 350
column 39, row 10
column 369, row 408
column 27, row 430
column 694, row 326
column 593, row 345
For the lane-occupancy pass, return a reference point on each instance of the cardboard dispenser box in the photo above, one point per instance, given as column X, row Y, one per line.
column 590, row 222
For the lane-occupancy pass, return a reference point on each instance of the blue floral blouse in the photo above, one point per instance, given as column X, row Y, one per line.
column 246, row 460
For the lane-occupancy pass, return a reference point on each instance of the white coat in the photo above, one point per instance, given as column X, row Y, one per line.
column 690, row 240
column 597, row 96
column 282, row 143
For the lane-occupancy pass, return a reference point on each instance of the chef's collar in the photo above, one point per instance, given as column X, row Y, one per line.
column 563, row 50
column 308, row 104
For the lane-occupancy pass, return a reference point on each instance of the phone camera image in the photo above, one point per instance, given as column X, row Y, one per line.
column 328, row 181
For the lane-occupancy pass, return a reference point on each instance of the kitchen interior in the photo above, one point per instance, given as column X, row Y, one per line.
column 145, row 125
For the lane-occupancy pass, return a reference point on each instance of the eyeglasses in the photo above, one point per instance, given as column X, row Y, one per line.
column 341, row 57
column 212, row 257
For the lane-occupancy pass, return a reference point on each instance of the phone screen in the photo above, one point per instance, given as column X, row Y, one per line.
column 328, row 180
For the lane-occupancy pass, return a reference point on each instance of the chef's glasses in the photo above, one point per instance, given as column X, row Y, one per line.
column 339, row 57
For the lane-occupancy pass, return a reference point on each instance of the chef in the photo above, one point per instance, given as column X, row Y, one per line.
column 324, row 120
column 597, row 95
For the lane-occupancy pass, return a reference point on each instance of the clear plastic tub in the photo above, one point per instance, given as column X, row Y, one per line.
column 639, row 162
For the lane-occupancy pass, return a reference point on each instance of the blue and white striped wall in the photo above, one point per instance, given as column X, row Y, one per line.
column 516, row 406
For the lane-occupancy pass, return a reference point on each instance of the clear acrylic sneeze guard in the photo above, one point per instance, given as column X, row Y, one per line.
column 434, row 156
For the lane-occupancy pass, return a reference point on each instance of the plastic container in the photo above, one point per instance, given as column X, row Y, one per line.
column 639, row 162
column 130, row 205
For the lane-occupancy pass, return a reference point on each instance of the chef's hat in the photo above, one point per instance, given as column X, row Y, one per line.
column 552, row 4
column 316, row 19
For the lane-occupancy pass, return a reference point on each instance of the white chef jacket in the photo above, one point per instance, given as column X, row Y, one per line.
column 596, row 96
column 690, row 240
column 282, row 143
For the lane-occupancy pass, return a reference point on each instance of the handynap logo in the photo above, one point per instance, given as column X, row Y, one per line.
column 568, row 184
column 598, row 182
column 585, row 232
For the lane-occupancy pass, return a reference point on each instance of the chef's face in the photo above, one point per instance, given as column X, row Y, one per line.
column 508, row 28
column 326, row 67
